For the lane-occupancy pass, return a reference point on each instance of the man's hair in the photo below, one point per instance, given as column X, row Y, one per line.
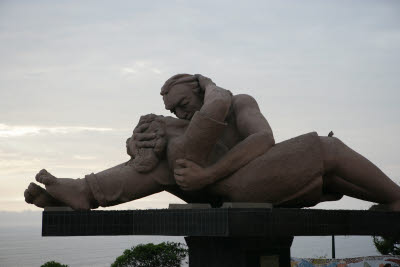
column 187, row 79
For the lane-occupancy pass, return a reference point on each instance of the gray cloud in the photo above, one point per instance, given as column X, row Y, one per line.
column 17, row 131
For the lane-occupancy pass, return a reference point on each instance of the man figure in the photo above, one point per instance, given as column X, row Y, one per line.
column 247, row 134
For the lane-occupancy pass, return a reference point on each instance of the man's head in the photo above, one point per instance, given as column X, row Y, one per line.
column 182, row 95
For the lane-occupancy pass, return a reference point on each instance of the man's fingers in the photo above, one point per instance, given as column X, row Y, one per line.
column 203, row 79
column 180, row 180
column 188, row 79
column 146, row 144
column 181, row 183
column 144, row 136
column 179, row 171
column 199, row 76
column 141, row 128
column 182, row 162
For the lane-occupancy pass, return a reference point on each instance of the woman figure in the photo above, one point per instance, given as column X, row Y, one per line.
column 208, row 160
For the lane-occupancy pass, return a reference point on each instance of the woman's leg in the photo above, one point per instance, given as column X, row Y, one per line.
column 349, row 173
column 123, row 183
column 333, row 184
column 110, row 187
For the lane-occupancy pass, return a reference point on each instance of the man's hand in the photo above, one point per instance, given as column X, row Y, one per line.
column 204, row 81
column 190, row 176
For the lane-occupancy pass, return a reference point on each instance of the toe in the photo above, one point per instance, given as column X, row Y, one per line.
column 34, row 189
column 44, row 177
column 38, row 176
column 28, row 197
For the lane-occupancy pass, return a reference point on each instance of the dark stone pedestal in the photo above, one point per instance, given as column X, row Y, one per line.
column 221, row 237
column 238, row 251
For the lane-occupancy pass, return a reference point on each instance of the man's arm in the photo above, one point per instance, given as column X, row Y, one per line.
column 217, row 100
column 206, row 126
column 257, row 139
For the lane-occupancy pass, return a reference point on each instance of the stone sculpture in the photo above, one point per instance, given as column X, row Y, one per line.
column 220, row 149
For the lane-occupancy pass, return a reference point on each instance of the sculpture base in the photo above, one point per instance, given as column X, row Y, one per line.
column 238, row 251
column 246, row 236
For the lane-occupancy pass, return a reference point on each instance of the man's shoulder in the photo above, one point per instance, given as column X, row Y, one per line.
column 242, row 101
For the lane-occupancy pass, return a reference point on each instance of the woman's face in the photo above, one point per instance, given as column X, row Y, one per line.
column 182, row 101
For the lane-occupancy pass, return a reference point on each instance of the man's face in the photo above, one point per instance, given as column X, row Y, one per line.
column 182, row 101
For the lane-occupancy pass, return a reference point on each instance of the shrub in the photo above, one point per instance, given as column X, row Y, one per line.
column 168, row 254
column 53, row 264
column 387, row 245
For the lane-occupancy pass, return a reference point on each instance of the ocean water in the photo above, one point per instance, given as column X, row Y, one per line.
column 24, row 246
column 21, row 244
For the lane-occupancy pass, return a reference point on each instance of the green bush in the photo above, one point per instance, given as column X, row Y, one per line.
column 387, row 245
column 168, row 254
column 53, row 264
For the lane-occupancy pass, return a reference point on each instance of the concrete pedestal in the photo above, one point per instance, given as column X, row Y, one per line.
column 238, row 252
column 234, row 237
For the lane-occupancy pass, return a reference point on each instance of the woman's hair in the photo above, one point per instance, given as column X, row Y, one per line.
column 146, row 157
column 187, row 79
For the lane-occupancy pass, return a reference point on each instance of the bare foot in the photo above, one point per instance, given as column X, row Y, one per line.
column 38, row 196
column 75, row 193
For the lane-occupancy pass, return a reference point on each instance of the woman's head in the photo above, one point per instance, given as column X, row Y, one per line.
column 147, row 144
column 182, row 95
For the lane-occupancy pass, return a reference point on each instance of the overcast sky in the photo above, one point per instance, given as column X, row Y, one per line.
column 76, row 75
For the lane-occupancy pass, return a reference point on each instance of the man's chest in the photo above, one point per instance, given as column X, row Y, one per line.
column 230, row 137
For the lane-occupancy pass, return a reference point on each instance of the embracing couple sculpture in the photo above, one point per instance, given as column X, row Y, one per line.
column 221, row 149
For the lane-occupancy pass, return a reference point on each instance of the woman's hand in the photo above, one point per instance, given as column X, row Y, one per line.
column 142, row 138
column 190, row 176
